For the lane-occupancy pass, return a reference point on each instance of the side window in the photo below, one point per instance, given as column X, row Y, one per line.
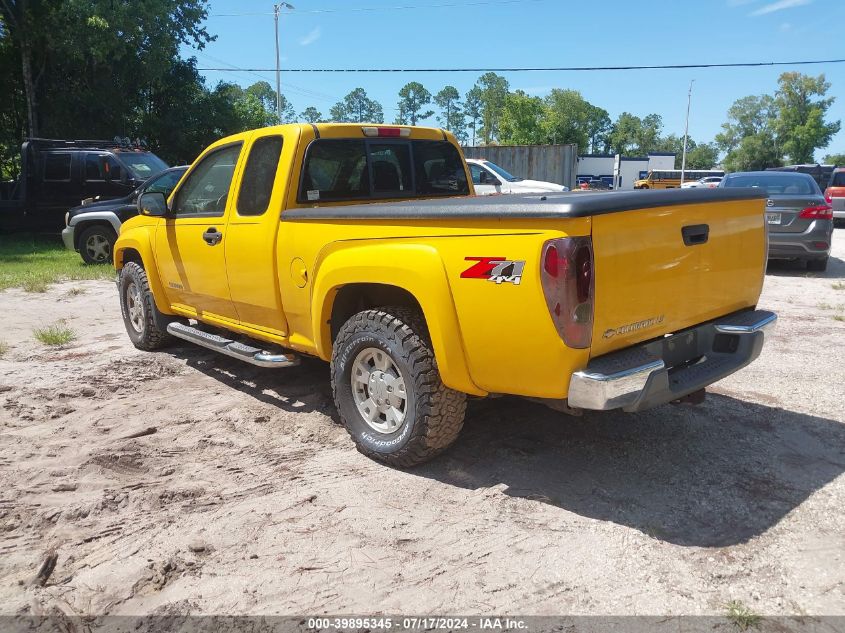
column 259, row 175
column 113, row 168
column 95, row 167
column 391, row 166
column 335, row 170
column 439, row 169
column 475, row 173
column 165, row 183
column 57, row 167
column 207, row 187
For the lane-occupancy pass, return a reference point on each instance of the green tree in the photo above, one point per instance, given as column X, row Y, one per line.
column 703, row 156
column 473, row 109
column 800, row 122
column 311, row 115
column 117, row 51
column 570, row 118
column 521, row 121
column 492, row 92
column 451, row 116
column 748, row 136
column 357, row 107
column 835, row 159
column 266, row 94
column 413, row 98
column 631, row 134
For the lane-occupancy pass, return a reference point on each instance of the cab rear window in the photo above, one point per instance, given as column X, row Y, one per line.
column 351, row 169
column 838, row 179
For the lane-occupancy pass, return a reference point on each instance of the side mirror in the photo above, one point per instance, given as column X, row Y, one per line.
column 153, row 204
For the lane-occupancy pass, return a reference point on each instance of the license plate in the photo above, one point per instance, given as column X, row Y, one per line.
column 773, row 218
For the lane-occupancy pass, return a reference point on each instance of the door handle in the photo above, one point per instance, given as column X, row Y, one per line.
column 212, row 236
column 695, row 234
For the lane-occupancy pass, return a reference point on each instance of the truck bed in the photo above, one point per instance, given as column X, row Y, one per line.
column 533, row 206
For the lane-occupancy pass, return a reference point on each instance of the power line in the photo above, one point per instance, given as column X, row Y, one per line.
column 537, row 69
column 449, row 5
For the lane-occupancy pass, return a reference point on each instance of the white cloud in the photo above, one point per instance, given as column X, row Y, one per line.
column 780, row 5
column 786, row 26
column 312, row 37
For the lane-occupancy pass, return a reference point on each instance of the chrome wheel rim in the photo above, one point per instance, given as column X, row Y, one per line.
column 135, row 308
column 98, row 248
column 378, row 388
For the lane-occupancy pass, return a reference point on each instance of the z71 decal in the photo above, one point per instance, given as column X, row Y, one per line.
column 497, row 269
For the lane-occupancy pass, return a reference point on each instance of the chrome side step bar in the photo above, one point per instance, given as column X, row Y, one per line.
column 235, row 349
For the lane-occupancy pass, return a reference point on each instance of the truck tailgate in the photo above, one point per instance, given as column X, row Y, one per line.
column 664, row 269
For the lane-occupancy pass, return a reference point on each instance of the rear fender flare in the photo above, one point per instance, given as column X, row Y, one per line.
column 415, row 268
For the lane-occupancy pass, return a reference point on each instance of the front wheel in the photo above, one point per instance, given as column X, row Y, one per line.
column 96, row 243
column 388, row 390
column 145, row 324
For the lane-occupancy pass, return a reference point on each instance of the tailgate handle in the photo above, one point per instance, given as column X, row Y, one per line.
column 695, row 234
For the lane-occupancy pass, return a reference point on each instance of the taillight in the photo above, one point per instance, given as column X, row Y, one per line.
column 567, row 277
column 827, row 197
column 821, row 212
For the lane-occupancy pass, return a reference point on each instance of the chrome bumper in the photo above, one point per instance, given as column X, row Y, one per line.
column 670, row 368
column 67, row 238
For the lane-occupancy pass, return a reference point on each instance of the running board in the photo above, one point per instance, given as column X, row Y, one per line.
column 235, row 349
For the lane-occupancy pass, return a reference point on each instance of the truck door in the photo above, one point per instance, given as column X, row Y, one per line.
column 59, row 189
column 103, row 176
column 190, row 242
column 483, row 180
column 252, row 230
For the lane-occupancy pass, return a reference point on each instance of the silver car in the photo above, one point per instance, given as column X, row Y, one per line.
column 799, row 218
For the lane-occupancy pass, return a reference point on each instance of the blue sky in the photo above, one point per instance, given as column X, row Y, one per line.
column 375, row 33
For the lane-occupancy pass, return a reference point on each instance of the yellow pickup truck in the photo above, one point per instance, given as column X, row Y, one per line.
column 364, row 246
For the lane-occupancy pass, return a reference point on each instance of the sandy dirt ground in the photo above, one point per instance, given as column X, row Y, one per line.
column 249, row 498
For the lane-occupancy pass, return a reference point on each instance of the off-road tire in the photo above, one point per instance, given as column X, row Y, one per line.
column 153, row 334
column 98, row 229
column 817, row 265
column 434, row 413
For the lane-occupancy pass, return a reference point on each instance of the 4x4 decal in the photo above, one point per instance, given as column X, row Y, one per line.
column 496, row 269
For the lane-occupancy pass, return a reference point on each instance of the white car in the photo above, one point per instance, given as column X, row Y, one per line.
column 488, row 178
column 708, row 182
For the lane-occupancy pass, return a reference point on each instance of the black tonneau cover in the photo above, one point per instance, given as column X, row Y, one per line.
column 537, row 206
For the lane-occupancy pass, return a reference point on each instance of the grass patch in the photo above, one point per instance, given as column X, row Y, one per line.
column 4, row 347
column 33, row 262
column 838, row 317
column 54, row 335
column 75, row 291
column 741, row 616
column 839, row 285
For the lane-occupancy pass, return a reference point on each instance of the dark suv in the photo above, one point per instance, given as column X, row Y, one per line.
column 93, row 227
column 57, row 175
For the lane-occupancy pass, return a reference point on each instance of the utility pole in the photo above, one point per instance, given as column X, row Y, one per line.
column 686, row 133
column 276, row 8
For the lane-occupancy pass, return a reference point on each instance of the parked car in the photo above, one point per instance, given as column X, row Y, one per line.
column 820, row 173
column 363, row 245
column 799, row 218
column 488, row 178
column 92, row 228
column 835, row 193
column 57, row 175
column 708, row 182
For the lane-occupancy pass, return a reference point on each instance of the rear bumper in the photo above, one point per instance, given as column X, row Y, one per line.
column 670, row 368
column 800, row 245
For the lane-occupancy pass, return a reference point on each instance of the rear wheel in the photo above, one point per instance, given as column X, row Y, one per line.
column 145, row 324
column 817, row 265
column 388, row 390
column 96, row 243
